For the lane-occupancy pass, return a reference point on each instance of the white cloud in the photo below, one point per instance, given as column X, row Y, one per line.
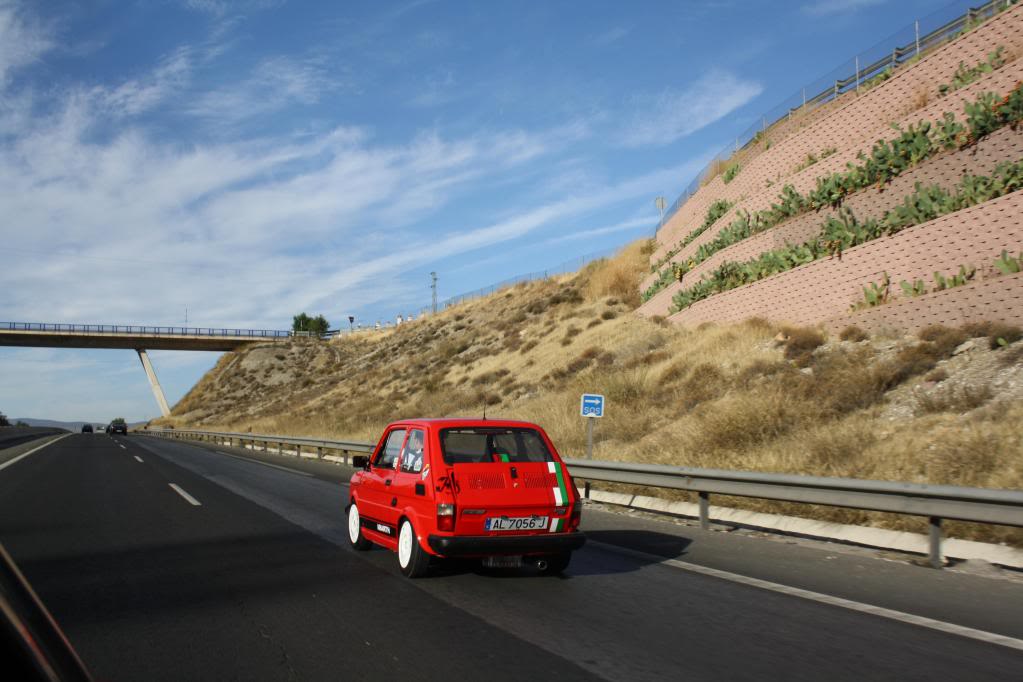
column 623, row 226
column 274, row 84
column 221, row 7
column 828, row 7
column 611, row 36
column 674, row 114
column 137, row 96
column 22, row 40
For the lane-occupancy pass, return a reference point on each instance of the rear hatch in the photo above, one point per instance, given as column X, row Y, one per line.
column 510, row 498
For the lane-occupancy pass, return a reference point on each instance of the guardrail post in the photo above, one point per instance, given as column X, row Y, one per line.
column 319, row 452
column 934, row 543
column 280, row 448
column 704, row 511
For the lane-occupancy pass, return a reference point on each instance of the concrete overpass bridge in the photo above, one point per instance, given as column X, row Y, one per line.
column 139, row 339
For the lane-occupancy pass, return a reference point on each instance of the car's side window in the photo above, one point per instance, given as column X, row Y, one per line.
column 412, row 454
column 388, row 454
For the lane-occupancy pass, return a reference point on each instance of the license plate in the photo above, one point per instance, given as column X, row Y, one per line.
column 498, row 523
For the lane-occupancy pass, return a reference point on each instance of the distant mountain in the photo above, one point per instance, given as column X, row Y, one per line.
column 70, row 426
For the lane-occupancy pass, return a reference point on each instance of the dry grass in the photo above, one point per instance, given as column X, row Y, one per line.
column 726, row 397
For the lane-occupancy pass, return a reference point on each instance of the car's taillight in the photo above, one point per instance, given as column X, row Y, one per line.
column 577, row 515
column 446, row 517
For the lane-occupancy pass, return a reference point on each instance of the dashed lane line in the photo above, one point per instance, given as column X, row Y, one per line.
column 138, row 459
column 191, row 500
column 36, row 449
column 921, row 621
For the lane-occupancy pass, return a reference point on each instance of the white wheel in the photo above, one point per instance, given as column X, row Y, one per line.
column 355, row 529
column 412, row 560
column 405, row 541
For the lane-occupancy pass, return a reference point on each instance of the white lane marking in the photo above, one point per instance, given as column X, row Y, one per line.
column 922, row 621
column 179, row 491
column 122, row 447
column 137, row 458
column 266, row 464
column 26, row 454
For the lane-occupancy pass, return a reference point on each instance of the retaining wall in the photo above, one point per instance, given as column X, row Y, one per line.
column 827, row 288
column 945, row 170
column 862, row 120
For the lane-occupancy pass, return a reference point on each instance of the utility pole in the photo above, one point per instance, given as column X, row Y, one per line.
column 433, row 285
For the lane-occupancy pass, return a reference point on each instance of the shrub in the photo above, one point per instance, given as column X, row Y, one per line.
column 705, row 382
column 913, row 361
column 853, row 333
column 800, row 343
column 945, row 340
column 1002, row 334
column 730, row 172
column 954, row 399
column 314, row 325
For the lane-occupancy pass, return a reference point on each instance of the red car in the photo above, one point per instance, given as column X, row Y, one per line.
column 470, row 488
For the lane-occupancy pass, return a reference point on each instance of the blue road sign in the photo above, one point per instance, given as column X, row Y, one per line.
column 591, row 405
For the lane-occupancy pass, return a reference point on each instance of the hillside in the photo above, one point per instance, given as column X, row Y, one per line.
column 841, row 296
column 747, row 396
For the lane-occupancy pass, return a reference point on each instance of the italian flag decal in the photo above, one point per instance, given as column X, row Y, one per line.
column 560, row 494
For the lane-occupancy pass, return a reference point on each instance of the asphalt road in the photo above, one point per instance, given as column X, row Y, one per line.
column 256, row 582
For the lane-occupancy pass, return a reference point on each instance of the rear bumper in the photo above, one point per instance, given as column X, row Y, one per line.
column 488, row 545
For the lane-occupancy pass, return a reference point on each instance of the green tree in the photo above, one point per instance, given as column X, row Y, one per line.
column 3, row 420
column 118, row 420
column 315, row 325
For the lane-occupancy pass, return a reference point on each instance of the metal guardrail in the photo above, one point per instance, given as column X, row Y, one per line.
column 888, row 54
column 145, row 330
column 936, row 502
column 253, row 440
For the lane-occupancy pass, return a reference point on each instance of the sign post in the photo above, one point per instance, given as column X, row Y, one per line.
column 591, row 406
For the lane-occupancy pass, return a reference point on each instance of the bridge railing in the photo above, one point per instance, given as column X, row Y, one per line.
column 936, row 502
column 146, row 330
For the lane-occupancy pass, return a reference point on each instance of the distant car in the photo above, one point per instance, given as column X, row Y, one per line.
column 86, row 428
column 493, row 490
column 119, row 427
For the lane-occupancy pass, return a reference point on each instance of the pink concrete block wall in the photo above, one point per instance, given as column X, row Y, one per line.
column 827, row 288
column 945, row 170
column 856, row 124
column 996, row 299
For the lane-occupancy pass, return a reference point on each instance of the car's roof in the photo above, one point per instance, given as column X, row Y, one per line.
column 452, row 422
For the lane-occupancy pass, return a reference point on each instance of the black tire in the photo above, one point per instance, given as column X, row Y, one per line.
column 556, row 563
column 412, row 560
column 356, row 539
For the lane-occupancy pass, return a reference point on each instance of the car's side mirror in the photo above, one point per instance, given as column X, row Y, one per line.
column 360, row 462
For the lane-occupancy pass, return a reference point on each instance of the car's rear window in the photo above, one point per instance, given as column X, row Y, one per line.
column 493, row 444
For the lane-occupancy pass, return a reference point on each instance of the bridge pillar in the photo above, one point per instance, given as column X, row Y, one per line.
column 153, row 382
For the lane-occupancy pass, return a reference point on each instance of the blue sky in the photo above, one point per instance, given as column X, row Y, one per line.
column 250, row 160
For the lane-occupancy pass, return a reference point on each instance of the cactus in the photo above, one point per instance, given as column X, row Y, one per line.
column 1009, row 265
column 877, row 294
column 917, row 288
